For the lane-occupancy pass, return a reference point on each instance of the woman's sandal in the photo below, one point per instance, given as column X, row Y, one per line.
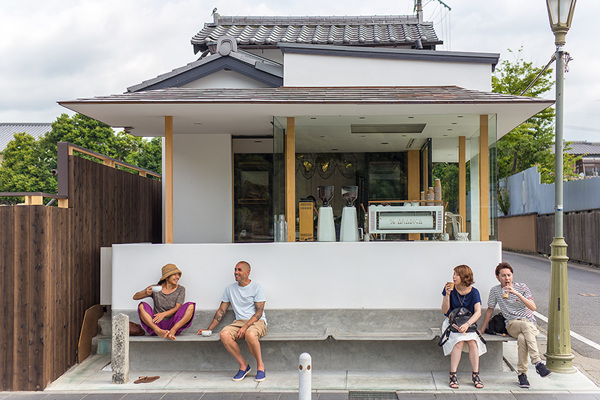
column 453, row 380
column 146, row 379
column 477, row 381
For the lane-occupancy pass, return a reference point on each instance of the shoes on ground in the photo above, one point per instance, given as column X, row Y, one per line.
column 541, row 369
column 523, row 382
column 260, row 376
column 241, row 374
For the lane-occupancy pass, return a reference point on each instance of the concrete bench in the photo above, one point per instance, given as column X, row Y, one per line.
column 337, row 340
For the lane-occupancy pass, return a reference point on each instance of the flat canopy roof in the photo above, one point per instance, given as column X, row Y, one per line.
column 249, row 112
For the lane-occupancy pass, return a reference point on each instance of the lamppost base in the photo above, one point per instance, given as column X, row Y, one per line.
column 558, row 356
column 562, row 364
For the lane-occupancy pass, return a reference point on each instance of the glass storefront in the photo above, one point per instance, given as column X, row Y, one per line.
column 353, row 151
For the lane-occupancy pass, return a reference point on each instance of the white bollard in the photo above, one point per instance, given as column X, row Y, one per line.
column 305, row 376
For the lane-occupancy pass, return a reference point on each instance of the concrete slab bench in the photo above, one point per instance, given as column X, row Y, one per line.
column 337, row 340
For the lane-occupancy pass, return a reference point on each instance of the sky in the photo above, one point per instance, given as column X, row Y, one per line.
column 52, row 50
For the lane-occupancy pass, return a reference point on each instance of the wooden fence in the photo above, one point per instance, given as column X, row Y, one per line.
column 581, row 231
column 50, row 262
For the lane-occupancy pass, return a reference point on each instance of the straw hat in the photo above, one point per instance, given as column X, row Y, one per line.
column 168, row 270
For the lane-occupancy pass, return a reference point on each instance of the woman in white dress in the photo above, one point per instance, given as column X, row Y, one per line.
column 463, row 295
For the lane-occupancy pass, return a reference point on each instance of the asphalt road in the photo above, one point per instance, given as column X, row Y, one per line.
column 584, row 296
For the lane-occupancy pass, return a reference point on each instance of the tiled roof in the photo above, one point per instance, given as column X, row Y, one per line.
column 253, row 32
column 8, row 130
column 185, row 74
column 316, row 95
column 582, row 147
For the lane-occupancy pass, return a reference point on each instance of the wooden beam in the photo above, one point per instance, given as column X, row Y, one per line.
column 168, row 177
column 484, row 180
column 462, row 180
column 290, row 179
column 414, row 184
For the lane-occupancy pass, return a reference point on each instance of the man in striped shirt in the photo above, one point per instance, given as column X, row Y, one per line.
column 517, row 306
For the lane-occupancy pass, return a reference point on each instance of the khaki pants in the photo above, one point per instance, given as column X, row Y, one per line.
column 525, row 332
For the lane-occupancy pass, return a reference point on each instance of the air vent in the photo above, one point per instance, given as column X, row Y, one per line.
column 387, row 128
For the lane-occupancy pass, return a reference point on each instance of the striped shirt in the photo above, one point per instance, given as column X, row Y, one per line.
column 511, row 308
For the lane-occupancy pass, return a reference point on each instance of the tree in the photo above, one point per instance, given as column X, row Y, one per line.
column 532, row 142
column 28, row 163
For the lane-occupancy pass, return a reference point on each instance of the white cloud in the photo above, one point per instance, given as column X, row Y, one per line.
column 54, row 50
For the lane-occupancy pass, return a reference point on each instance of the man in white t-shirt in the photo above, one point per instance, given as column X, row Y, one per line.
column 517, row 306
column 247, row 299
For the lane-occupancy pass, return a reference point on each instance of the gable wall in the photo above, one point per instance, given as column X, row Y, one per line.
column 225, row 79
column 319, row 70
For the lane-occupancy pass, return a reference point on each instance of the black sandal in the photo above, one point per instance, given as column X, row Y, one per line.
column 477, row 381
column 453, row 380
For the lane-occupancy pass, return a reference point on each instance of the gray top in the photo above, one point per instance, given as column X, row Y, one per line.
column 165, row 302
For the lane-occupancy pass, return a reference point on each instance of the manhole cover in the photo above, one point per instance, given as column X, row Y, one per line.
column 373, row 396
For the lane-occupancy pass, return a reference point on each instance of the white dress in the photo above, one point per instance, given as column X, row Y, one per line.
column 456, row 337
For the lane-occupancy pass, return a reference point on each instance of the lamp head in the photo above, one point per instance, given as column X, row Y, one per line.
column 560, row 14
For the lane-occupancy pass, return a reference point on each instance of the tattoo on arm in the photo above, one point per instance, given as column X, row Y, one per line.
column 259, row 308
column 219, row 315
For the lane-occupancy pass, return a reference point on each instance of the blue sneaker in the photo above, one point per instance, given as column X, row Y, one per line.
column 241, row 374
column 260, row 376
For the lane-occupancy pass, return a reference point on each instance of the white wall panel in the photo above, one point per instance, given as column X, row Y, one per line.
column 202, row 189
column 313, row 275
column 316, row 70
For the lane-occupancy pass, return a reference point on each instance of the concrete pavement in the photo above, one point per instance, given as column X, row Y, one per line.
column 92, row 380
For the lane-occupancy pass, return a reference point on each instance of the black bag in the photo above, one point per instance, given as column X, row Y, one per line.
column 497, row 325
column 457, row 317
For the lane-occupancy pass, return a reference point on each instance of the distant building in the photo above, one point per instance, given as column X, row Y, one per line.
column 8, row 130
column 589, row 165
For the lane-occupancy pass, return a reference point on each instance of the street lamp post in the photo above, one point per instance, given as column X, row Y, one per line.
column 558, row 355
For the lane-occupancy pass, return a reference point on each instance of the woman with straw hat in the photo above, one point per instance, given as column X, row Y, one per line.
column 170, row 315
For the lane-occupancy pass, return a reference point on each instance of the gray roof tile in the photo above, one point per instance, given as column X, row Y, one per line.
column 316, row 95
column 8, row 130
column 387, row 30
column 583, row 147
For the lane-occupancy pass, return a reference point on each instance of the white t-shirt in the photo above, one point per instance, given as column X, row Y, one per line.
column 242, row 299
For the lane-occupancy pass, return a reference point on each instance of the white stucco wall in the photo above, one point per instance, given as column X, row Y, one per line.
column 225, row 79
column 202, row 189
column 319, row 70
column 310, row 275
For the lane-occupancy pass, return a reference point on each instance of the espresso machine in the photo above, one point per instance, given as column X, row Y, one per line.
column 325, row 225
column 349, row 229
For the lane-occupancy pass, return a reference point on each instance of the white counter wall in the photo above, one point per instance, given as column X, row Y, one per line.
column 371, row 275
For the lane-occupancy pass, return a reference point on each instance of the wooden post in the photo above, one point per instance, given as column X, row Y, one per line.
column 462, row 181
column 425, row 175
column 290, row 179
column 414, row 188
column 168, row 176
column 484, row 180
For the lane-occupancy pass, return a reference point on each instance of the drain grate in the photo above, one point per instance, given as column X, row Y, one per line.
column 361, row 395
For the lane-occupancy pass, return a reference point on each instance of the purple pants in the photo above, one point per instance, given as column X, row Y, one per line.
column 167, row 324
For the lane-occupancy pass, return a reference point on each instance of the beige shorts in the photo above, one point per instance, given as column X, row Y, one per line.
column 259, row 327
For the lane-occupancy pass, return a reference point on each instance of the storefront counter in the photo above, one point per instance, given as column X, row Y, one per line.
column 308, row 275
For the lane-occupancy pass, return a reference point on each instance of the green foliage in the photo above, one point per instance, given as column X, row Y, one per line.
column 532, row 142
column 447, row 173
column 28, row 163
column 503, row 200
column 529, row 143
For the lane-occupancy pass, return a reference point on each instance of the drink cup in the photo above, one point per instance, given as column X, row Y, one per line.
column 156, row 288
column 505, row 294
column 451, row 285
column 206, row 333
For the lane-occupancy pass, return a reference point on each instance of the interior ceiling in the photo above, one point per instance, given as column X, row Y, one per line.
column 333, row 134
